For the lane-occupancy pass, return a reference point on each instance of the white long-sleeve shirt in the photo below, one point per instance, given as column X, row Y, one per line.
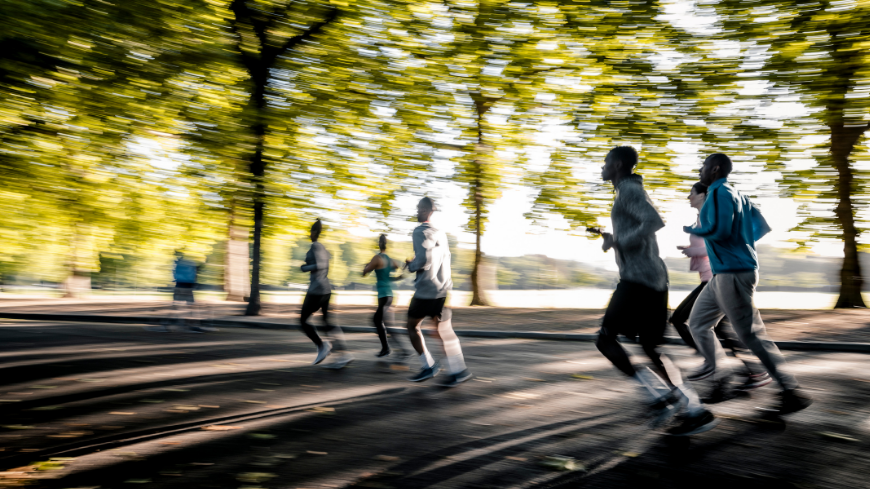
column 431, row 262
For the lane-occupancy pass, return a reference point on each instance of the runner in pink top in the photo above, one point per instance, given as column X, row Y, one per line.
column 756, row 374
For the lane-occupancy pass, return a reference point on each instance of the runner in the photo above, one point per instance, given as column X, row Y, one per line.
column 639, row 306
column 382, row 266
column 755, row 374
column 730, row 225
column 317, row 297
column 431, row 262
column 184, row 273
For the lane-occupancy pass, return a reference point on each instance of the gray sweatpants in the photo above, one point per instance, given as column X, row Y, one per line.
column 731, row 295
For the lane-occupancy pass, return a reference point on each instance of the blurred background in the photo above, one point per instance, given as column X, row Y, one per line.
column 133, row 130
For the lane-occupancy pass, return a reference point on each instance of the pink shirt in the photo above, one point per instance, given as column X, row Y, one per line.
column 697, row 251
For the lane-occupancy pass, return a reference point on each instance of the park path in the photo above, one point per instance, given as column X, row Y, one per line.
column 117, row 406
column 783, row 325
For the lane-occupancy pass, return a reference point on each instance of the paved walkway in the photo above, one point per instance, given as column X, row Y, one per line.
column 783, row 325
column 116, row 406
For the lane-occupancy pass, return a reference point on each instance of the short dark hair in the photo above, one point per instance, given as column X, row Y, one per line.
column 317, row 227
column 428, row 203
column 627, row 155
column 699, row 188
column 382, row 241
column 722, row 161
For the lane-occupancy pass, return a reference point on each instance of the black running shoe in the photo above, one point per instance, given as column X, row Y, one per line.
column 426, row 373
column 701, row 373
column 793, row 400
column 456, row 379
column 662, row 410
column 693, row 425
column 721, row 392
column 384, row 352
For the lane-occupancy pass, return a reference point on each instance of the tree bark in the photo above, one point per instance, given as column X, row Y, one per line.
column 237, row 266
column 478, row 296
column 254, row 303
column 843, row 140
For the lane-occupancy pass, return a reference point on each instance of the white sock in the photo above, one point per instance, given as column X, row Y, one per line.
column 693, row 402
column 652, row 386
column 426, row 359
column 455, row 364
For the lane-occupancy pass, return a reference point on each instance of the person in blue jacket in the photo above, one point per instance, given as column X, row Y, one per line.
column 730, row 225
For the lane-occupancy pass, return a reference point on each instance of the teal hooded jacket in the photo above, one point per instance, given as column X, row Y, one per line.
column 730, row 226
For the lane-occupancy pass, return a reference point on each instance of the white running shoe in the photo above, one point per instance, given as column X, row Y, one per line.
column 322, row 352
column 340, row 362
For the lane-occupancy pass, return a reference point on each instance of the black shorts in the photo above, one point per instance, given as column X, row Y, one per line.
column 637, row 310
column 434, row 308
column 183, row 292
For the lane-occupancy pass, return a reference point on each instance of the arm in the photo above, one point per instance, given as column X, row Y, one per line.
column 372, row 266
column 310, row 263
column 648, row 219
column 717, row 217
column 422, row 252
column 695, row 251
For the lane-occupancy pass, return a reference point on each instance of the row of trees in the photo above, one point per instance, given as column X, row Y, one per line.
column 135, row 128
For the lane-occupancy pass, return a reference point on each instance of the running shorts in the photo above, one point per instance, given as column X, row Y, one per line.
column 637, row 310
column 183, row 292
column 434, row 308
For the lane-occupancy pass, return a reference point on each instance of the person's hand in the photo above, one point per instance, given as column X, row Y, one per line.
column 687, row 229
column 608, row 241
column 682, row 247
column 685, row 251
column 407, row 262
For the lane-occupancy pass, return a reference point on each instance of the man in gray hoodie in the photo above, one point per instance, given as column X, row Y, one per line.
column 431, row 262
column 639, row 305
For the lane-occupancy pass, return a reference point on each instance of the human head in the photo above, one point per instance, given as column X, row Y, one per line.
column 316, row 228
column 425, row 209
column 698, row 195
column 716, row 166
column 382, row 242
column 619, row 162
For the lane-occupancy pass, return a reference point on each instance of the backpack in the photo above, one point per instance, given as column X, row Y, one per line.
column 760, row 228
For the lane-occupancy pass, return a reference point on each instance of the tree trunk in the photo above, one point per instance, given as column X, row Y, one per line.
column 254, row 304
column 259, row 66
column 478, row 296
column 237, row 269
column 843, row 140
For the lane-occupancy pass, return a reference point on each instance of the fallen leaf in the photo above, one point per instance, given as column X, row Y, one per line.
column 518, row 459
column 217, row 427
column 582, row 377
column 122, row 413
column 837, row 436
column 312, row 452
column 559, row 462
column 386, row 458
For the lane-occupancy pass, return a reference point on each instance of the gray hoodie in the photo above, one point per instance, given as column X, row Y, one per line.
column 431, row 262
column 317, row 262
column 635, row 222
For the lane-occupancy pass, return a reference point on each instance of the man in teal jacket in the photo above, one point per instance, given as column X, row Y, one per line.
column 729, row 232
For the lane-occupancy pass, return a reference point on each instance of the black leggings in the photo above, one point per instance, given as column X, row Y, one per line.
column 310, row 305
column 384, row 317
